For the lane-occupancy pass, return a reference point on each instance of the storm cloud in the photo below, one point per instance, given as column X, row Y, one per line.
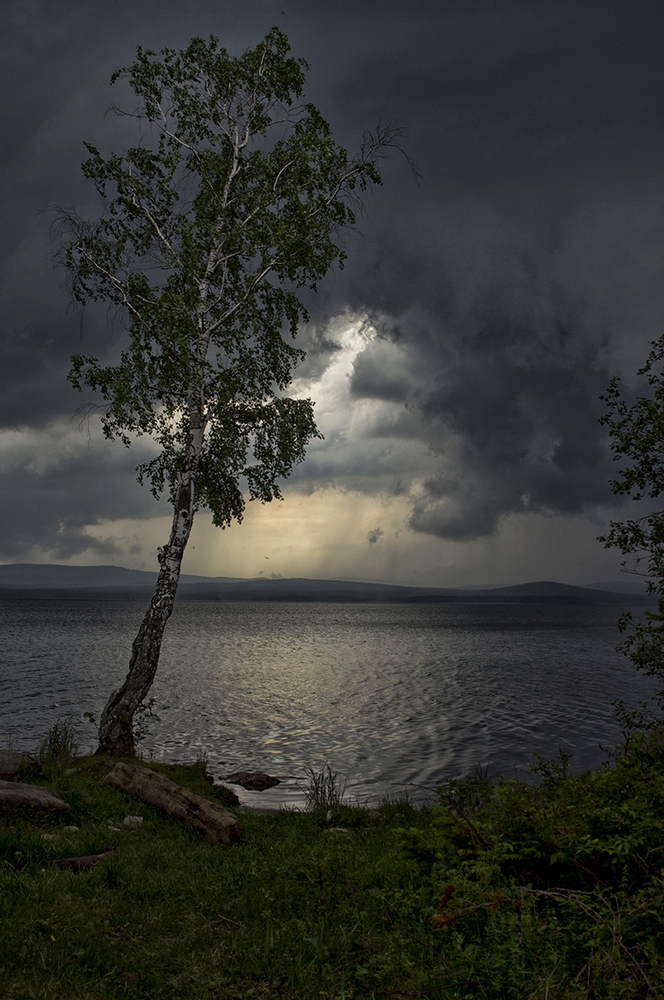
column 505, row 371
column 489, row 301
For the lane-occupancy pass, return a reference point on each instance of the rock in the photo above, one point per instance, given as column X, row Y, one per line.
column 231, row 799
column 11, row 762
column 253, row 781
column 14, row 794
column 156, row 789
column 132, row 821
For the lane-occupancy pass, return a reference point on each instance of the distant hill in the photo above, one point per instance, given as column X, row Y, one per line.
column 632, row 584
column 114, row 583
column 55, row 576
column 546, row 588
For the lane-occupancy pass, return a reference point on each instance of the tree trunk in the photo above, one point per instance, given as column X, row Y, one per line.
column 116, row 729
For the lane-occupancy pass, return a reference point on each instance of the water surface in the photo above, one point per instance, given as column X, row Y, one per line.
column 395, row 696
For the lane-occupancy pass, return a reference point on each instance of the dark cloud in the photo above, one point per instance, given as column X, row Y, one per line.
column 522, row 272
column 505, row 346
column 58, row 483
column 375, row 536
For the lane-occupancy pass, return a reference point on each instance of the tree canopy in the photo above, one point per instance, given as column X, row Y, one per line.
column 208, row 232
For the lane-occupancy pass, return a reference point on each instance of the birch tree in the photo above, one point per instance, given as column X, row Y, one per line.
column 230, row 203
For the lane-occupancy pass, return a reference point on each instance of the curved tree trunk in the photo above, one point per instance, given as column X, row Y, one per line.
column 116, row 731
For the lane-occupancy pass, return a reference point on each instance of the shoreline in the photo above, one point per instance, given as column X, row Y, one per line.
column 491, row 882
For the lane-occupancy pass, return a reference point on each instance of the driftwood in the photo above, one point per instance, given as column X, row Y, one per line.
column 156, row 789
column 14, row 794
column 84, row 862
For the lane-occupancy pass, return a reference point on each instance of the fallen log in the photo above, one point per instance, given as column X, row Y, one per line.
column 157, row 790
column 84, row 862
column 14, row 794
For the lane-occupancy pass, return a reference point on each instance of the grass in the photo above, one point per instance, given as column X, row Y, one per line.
column 325, row 788
column 503, row 891
column 61, row 743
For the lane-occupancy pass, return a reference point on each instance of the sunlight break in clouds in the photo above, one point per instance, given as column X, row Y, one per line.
column 367, row 472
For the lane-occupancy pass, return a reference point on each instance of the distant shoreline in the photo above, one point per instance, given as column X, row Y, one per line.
column 600, row 599
column 44, row 582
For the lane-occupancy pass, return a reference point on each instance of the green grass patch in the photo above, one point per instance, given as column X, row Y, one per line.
column 504, row 891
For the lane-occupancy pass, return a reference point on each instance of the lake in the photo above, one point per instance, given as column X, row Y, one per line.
column 397, row 697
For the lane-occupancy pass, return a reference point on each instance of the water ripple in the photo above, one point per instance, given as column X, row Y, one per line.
column 394, row 696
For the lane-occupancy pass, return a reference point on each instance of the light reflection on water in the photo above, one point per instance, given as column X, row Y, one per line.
column 395, row 696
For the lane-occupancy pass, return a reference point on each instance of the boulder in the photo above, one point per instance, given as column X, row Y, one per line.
column 11, row 761
column 156, row 789
column 14, row 794
column 253, row 781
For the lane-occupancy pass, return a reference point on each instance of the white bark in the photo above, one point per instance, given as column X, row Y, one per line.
column 116, row 736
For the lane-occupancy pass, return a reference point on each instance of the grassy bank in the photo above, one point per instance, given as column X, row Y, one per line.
column 513, row 890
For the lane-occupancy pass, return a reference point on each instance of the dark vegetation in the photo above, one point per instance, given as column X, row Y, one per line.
column 551, row 888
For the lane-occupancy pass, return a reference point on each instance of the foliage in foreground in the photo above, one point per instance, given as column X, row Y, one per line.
column 636, row 430
column 510, row 890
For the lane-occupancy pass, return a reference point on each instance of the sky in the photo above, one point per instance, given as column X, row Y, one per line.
column 458, row 359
